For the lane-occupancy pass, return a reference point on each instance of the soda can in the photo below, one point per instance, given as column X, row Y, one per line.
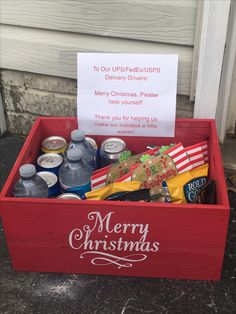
column 49, row 162
column 110, row 150
column 54, row 144
column 69, row 196
column 92, row 142
column 52, row 182
column 95, row 146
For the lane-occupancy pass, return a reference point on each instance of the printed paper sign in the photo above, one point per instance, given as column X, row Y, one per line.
column 127, row 94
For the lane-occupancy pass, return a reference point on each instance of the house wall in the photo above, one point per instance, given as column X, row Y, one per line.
column 40, row 39
column 27, row 95
column 231, row 116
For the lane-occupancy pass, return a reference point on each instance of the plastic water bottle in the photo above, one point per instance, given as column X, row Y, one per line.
column 74, row 174
column 88, row 152
column 30, row 184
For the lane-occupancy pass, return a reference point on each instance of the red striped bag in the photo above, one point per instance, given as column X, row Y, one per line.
column 198, row 154
column 179, row 157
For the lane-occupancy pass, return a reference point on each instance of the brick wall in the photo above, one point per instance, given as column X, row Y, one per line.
column 28, row 95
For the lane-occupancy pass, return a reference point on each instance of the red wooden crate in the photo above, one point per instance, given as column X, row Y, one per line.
column 118, row 238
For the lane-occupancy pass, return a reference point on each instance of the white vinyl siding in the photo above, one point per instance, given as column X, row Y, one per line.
column 231, row 117
column 43, row 36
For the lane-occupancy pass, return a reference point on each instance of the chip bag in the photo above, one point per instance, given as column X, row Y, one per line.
column 184, row 188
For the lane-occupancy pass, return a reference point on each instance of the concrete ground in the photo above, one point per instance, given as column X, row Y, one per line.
column 65, row 293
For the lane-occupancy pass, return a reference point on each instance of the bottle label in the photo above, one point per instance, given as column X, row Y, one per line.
column 80, row 190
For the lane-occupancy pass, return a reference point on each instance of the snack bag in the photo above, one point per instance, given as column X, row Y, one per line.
column 128, row 176
column 198, row 154
column 121, row 169
column 104, row 192
column 102, row 169
column 184, row 187
column 153, row 171
column 133, row 196
column 99, row 178
column 179, row 157
column 207, row 194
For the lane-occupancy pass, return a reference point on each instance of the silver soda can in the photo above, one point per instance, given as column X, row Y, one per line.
column 49, row 162
column 54, row 144
column 52, row 181
column 92, row 142
column 69, row 196
column 95, row 146
column 110, row 150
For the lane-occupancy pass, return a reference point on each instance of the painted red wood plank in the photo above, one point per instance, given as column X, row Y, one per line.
column 168, row 241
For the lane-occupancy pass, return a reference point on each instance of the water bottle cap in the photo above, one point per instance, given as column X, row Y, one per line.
column 27, row 171
column 74, row 154
column 77, row 135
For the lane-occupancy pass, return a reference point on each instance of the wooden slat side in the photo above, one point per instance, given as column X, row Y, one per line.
column 54, row 53
column 159, row 21
column 189, row 242
column 216, row 163
column 29, row 153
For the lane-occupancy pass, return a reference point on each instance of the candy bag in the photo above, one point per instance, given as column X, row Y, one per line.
column 184, row 187
column 123, row 167
column 153, row 171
